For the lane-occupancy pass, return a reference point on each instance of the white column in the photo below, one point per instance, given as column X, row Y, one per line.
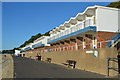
column 60, row 48
column 94, row 42
column 76, row 44
column 84, row 43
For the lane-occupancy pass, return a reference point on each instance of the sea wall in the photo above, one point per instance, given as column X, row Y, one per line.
column 0, row 66
column 85, row 60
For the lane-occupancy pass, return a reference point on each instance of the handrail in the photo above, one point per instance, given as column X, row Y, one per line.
column 110, row 67
column 114, row 39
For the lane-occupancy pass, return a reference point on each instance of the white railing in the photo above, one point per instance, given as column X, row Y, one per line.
column 72, row 29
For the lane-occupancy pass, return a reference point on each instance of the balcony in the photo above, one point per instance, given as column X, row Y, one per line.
column 37, row 45
column 27, row 48
column 84, row 26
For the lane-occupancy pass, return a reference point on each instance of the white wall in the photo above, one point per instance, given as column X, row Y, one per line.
column 119, row 21
column 44, row 40
column 17, row 52
column 107, row 19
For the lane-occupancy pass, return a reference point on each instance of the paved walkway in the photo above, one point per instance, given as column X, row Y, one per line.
column 28, row 68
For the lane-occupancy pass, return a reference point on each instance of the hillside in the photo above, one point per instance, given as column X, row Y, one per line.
column 34, row 38
column 114, row 5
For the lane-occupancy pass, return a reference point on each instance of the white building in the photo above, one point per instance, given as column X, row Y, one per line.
column 17, row 52
column 97, row 18
column 92, row 23
column 42, row 41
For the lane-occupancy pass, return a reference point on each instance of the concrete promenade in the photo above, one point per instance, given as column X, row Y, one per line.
column 29, row 68
column 7, row 66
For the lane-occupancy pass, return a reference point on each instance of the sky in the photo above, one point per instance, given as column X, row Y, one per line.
column 21, row 20
column 0, row 26
column 58, row 0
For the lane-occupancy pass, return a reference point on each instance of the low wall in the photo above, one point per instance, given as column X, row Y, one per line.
column 0, row 66
column 85, row 61
column 7, row 66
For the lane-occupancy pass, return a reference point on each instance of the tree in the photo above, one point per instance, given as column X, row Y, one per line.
column 114, row 5
column 46, row 34
column 31, row 39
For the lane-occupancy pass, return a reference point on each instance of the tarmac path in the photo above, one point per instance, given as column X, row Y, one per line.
column 29, row 68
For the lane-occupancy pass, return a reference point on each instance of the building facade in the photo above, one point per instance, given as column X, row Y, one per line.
column 95, row 28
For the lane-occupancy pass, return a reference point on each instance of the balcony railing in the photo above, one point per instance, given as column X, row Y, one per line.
column 27, row 48
column 37, row 45
column 72, row 29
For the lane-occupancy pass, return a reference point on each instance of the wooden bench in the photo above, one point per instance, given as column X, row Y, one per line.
column 70, row 63
column 48, row 60
column 37, row 57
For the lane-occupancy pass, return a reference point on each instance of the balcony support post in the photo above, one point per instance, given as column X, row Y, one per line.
column 84, row 43
column 94, row 41
column 76, row 44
